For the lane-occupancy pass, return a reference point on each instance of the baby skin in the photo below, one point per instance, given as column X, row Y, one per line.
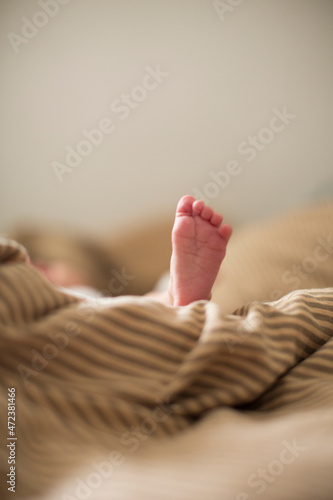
column 199, row 242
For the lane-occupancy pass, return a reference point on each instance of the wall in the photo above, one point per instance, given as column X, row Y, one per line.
column 188, row 94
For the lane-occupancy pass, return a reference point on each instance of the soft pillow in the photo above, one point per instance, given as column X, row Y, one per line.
column 271, row 258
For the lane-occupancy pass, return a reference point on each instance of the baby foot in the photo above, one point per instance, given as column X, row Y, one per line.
column 199, row 241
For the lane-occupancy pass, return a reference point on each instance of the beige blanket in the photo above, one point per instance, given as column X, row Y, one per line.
column 128, row 399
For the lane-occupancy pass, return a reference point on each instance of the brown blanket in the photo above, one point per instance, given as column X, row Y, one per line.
column 127, row 398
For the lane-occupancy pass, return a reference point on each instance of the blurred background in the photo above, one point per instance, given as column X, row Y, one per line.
column 185, row 93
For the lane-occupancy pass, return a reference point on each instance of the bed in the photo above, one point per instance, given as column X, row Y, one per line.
column 126, row 398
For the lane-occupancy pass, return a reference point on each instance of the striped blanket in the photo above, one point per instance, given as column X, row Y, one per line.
column 127, row 398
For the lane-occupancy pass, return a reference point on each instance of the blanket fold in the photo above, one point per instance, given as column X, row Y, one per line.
column 88, row 372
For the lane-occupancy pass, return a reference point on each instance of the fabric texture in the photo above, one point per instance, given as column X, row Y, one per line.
column 128, row 398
